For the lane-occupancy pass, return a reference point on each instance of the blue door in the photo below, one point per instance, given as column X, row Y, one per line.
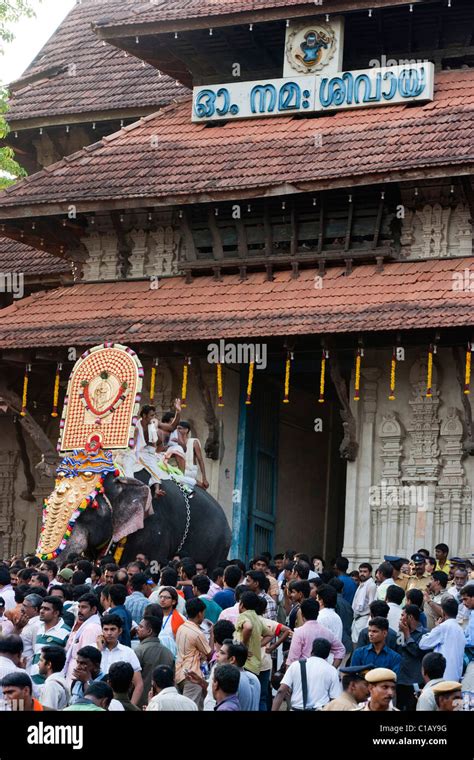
column 263, row 470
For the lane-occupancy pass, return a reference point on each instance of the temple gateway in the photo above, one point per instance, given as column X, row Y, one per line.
column 271, row 202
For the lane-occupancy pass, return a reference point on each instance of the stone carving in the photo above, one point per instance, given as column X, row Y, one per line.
column 91, row 269
column 139, row 253
column 423, row 426
column 437, row 232
column 453, row 506
column 11, row 533
column 162, row 259
column 102, row 263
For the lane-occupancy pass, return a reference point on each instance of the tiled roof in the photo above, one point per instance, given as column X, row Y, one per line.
column 403, row 296
column 92, row 76
column 20, row 258
column 168, row 158
column 144, row 11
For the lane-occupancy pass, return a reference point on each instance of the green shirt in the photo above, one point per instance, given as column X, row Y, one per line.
column 259, row 629
column 212, row 609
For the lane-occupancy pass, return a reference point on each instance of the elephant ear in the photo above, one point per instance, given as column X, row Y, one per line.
column 131, row 503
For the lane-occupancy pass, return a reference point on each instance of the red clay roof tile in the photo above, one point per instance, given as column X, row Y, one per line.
column 191, row 161
column 22, row 259
column 102, row 79
column 414, row 295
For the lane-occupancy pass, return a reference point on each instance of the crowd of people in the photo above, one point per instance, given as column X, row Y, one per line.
column 281, row 633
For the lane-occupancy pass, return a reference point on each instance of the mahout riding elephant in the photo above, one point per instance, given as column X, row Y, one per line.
column 193, row 523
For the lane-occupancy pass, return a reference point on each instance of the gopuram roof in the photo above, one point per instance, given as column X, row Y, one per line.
column 166, row 159
column 409, row 295
column 76, row 73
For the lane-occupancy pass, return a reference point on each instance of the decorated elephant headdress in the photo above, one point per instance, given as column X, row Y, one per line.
column 99, row 415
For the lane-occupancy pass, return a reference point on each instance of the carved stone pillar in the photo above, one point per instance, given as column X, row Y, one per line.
column 422, row 466
column 162, row 258
column 109, row 262
column 139, row 253
column 392, row 508
column 358, row 532
column 8, row 469
column 91, row 268
column 453, row 497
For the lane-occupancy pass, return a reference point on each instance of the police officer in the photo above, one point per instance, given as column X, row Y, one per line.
column 382, row 687
column 355, row 689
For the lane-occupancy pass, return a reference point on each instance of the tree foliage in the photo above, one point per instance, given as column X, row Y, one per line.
column 10, row 12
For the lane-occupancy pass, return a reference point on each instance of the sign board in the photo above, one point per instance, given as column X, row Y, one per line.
column 313, row 81
column 310, row 94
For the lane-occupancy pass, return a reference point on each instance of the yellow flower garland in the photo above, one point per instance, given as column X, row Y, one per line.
column 429, row 377
column 184, row 390
column 220, row 393
column 322, row 381
column 357, row 376
column 286, row 399
column 250, row 383
column 25, row 394
column 467, row 378
column 393, row 369
column 54, row 413
column 153, row 382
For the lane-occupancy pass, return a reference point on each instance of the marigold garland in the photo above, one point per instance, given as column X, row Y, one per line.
column 153, row 380
column 184, row 389
column 54, row 413
column 322, row 381
column 250, row 383
column 357, row 375
column 393, row 369
column 25, row 391
column 220, row 393
column 429, row 374
column 289, row 358
column 467, row 377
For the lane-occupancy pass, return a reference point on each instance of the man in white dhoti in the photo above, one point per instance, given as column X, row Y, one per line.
column 148, row 440
column 193, row 460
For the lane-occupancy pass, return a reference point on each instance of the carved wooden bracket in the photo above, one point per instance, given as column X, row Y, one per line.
column 349, row 447
column 468, row 444
column 212, row 445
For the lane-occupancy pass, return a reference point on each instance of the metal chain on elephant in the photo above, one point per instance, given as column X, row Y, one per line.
column 188, row 515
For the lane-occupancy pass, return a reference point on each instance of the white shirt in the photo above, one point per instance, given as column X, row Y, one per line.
column 330, row 619
column 323, row 683
column 7, row 667
column 120, row 653
column 8, row 595
column 447, row 638
column 170, row 700
column 55, row 693
column 28, row 636
column 394, row 616
column 363, row 597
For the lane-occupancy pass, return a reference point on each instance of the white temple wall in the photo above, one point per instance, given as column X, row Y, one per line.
column 411, row 485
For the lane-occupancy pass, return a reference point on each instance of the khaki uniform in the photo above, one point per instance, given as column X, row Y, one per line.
column 344, row 703
column 402, row 580
column 419, row 583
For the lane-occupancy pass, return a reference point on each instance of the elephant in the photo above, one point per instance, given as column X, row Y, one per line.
column 207, row 541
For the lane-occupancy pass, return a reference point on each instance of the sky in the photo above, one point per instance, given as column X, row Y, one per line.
column 31, row 35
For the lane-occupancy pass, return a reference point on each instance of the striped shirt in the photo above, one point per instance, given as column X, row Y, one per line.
column 55, row 636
